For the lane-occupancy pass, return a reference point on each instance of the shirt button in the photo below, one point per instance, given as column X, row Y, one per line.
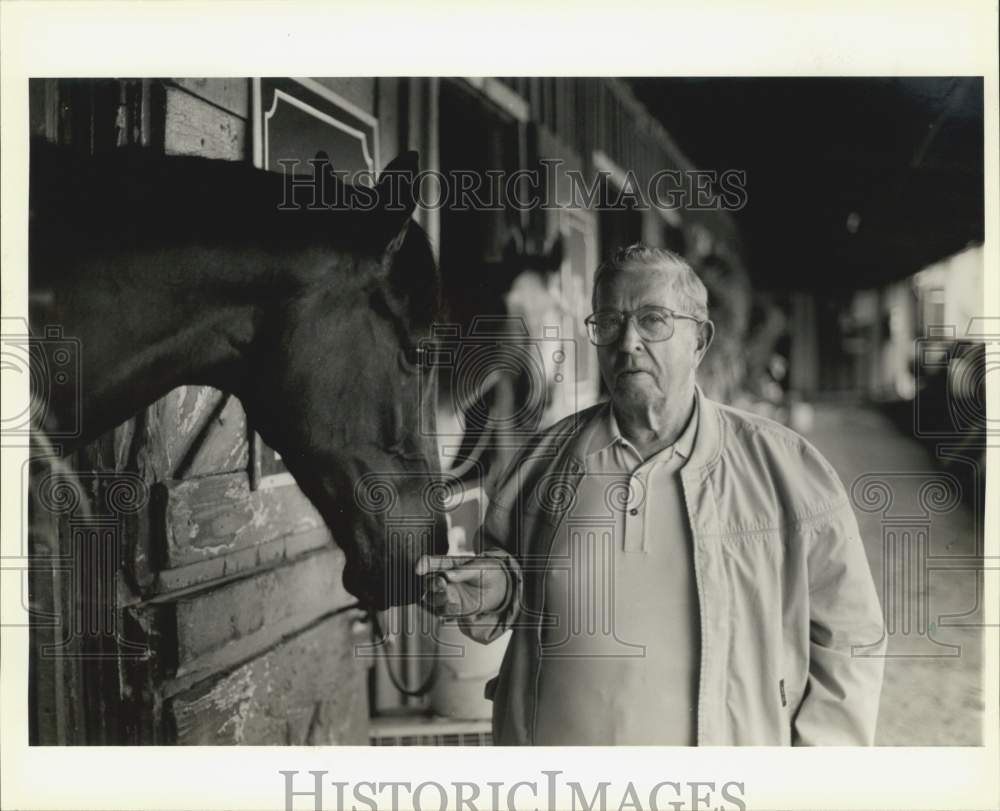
column 633, row 511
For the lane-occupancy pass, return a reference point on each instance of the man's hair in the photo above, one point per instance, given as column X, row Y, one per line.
column 692, row 297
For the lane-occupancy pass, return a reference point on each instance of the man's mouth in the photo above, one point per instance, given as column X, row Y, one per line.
column 631, row 373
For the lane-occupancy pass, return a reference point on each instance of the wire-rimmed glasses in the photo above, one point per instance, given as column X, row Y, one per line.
column 653, row 323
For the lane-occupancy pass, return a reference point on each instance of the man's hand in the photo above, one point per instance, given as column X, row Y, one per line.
column 463, row 586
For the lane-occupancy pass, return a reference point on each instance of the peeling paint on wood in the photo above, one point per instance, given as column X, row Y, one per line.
column 188, row 434
column 215, row 515
column 238, row 563
column 306, row 691
column 123, row 437
column 190, row 414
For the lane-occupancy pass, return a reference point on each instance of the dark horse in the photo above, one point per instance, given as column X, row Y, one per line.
column 180, row 270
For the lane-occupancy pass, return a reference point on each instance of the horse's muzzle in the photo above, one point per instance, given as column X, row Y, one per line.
column 380, row 572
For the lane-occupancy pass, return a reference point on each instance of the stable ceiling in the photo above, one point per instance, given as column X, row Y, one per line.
column 852, row 182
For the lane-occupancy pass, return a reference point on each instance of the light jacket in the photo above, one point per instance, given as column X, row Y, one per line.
column 792, row 636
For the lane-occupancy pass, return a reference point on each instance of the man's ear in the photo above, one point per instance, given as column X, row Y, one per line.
column 706, row 332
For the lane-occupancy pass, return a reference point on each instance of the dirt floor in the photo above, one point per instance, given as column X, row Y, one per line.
column 933, row 692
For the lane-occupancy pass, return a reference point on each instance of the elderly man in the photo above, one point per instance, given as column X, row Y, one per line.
column 675, row 571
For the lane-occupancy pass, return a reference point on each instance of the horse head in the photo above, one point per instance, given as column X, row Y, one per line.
column 311, row 314
column 338, row 388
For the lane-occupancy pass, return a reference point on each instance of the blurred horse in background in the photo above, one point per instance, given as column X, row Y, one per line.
column 502, row 384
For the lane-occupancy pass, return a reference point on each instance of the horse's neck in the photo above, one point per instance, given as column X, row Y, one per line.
column 144, row 325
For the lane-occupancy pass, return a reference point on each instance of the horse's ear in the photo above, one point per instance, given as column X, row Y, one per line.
column 513, row 249
column 553, row 258
column 396, row 199
column 322, row 165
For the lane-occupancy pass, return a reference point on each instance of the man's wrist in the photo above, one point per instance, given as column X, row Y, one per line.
column 510, row 583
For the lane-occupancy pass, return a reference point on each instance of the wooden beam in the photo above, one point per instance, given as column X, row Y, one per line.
column 232, row 95
column 195, row 127
column 502, row 96
column 232, row 624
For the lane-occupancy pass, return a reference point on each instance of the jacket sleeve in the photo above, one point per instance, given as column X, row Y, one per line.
column 503, row 536
column 846, row 636
column 486, row 626
column 491, row 541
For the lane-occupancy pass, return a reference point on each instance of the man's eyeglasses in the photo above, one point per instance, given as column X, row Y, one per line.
column 652, row 323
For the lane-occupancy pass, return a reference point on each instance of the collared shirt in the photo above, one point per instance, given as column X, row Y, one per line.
column 620, row 649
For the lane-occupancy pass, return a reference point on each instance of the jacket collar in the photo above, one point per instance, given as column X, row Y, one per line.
column 707, row 442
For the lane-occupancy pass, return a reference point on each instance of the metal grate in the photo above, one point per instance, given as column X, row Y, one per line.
column 450, row 739
column 423, row 730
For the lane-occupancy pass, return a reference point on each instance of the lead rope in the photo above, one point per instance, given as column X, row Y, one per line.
column 385, row 644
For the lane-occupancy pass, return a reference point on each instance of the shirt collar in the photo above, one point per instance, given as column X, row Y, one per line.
column 606, row 432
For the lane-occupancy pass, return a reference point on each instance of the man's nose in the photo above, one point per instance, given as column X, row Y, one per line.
column 629, row 339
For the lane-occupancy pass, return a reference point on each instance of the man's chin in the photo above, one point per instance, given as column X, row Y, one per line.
column 635, row 388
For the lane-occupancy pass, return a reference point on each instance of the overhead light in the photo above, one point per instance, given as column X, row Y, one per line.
column 853, row 222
